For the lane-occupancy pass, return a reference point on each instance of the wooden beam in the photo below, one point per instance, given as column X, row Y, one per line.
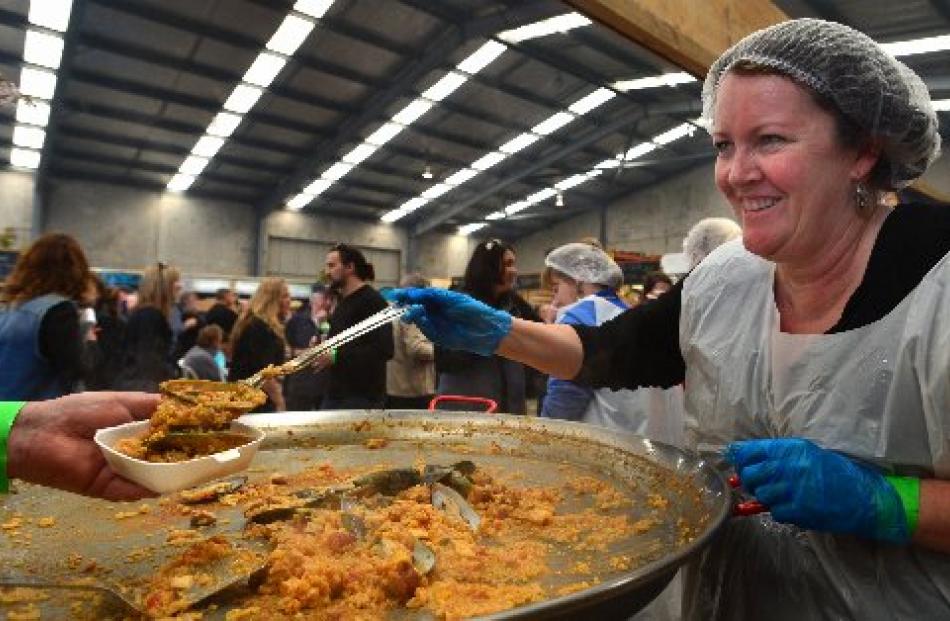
column 690, row 33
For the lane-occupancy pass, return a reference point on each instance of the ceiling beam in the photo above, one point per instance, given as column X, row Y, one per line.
column 59, row 172
column 582, row 139
column 690, row 34
column 349, row 130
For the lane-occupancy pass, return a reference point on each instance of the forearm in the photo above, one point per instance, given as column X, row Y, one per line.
column 551, row 348
column 933, row 527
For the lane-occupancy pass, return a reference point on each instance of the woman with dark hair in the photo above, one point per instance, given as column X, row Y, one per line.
column 489, row 277
column 41, row 348
column 147, row 346
column 109, row 333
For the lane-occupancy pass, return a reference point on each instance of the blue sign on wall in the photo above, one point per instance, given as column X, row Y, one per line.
column 7, row 261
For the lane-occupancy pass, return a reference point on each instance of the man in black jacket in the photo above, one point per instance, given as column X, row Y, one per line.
column 357, row 369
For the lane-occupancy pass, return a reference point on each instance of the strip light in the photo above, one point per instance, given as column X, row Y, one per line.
column 268, row 64
column 42, row 54
column 671, row 135
column 941, row 105
column 468, row 229
column 444, row 87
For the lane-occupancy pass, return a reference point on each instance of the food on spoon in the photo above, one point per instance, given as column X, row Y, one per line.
column 182, row 425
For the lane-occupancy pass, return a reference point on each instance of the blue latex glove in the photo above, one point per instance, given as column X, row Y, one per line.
column 454, row 320
column 819, row 489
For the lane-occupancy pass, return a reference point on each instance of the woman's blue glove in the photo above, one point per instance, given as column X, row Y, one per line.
column 454, row 320
column 819, row 489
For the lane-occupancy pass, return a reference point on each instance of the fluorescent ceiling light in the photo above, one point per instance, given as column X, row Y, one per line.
column 576, row 180
column 640, row 150
column 461, row 176
column 516, row 207
column 223, row 124
column 541, row 195
column 444, row 87
column 24, row 158
column 656, row 81
column 28, row 136
column 44, row 49
column 468, row 229
column 553, row 123
column 314, row 8
column 518, row 143
column 52, row 14
column 488, row 160
column 941, row 105
column 180, row 182
column 318, row 187
column 545, row 27
column 611, row 163
column 207, row 146
column 597, row 98
column 264, row 69
column 670, row 135
column 413, row 111
column 193, row 165
column 391, row 216
column 293, row 31
column 359, row 153
column 37, row 82
column 300, row 201
column 918, row 46
column 436, row 191
column 243, row 98
column 337, row 171
column 495, row 215
column 34, row 112
column 385, row 133
column 413, row 203
column 481, row 57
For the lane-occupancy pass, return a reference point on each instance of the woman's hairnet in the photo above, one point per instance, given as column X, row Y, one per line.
column 873, row 90
column 585, row 263
column 707, row 235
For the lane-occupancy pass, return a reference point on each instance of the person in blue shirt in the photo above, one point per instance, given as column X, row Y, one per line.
column 583, row 279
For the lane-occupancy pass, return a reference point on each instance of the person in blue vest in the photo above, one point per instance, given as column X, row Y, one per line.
column 41, row 349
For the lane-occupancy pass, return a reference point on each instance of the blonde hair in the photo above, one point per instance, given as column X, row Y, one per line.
column 157, row 287
column 265, row 305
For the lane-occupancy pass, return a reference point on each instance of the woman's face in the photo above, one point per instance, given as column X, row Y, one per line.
column 565, row 291
column 509, row 271
column 781, row 167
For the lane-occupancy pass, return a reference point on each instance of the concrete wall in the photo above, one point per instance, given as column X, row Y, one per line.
column 938, row 175
column 128, row 228
column 16, row 205
column 442, row 256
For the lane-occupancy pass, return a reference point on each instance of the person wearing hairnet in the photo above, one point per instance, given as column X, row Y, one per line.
column 707, row 235
column 580, row 275
column 815, row 350
column 584, row 279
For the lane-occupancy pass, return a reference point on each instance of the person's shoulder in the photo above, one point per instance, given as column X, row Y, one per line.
column 920, row 226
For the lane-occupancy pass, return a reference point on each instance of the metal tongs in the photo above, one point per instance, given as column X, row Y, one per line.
column 307, row 357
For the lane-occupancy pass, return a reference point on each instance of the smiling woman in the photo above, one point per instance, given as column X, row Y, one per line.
column 824, row 333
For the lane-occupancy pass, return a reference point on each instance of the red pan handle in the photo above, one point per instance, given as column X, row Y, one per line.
column 491, row 406
column 748, row 507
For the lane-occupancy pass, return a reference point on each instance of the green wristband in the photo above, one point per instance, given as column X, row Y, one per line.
column 908, row 490
column 8, row 413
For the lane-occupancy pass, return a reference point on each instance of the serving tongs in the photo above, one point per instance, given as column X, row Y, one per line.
column 309, row 356
column 187, row 435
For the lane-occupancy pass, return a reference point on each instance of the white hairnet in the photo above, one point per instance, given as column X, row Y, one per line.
column 873, row 90
column 707, row 235
column 585, row 263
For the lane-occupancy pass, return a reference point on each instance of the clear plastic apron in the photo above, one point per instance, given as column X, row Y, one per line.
column 880, row 393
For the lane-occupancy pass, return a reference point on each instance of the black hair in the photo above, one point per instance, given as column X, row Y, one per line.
column 352, row 256
column 654, row 277
column 484, row 270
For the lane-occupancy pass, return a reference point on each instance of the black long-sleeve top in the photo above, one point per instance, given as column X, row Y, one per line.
column 641, row 346
column 360, row 367
column 256, row 347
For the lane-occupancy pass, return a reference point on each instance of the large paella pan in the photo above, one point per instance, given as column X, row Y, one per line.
column 553, row 520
